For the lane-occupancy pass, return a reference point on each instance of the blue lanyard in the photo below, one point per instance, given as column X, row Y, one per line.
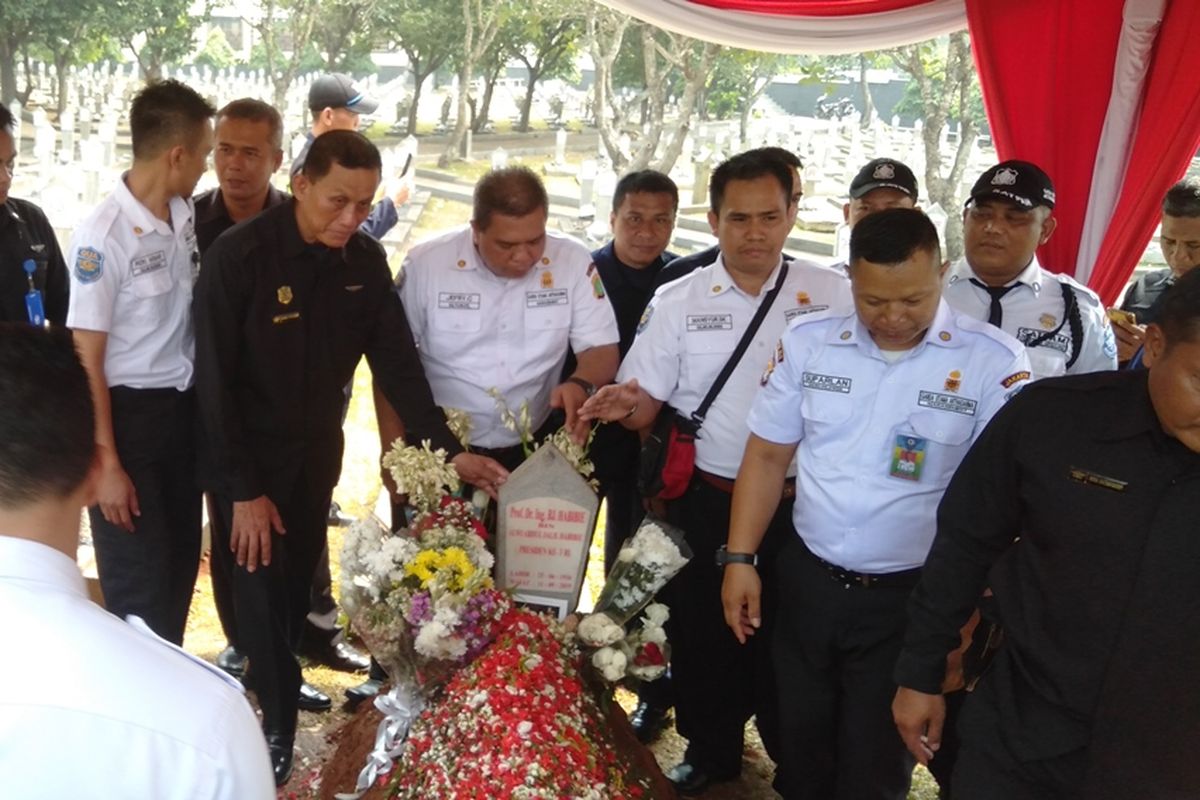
column 33, row 298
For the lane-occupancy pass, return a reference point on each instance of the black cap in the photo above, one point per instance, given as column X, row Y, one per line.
column 1016, row 181
column 884, row 173
column 336, row 90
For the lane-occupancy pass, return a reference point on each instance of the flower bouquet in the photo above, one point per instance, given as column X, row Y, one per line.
column 650, row 558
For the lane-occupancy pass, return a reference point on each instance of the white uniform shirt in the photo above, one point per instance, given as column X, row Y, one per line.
column 863, row 422
column 1035, row 307
column 92, row 708
column 475, row 330
column 131, row 277
column 691, row 328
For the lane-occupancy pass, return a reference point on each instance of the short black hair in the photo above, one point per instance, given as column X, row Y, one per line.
column 511, row 191
column 647, row 181
column 1183, row 199
column 47, row 427
column 748, row 166
column 891, row 236
column 349, row 149
column 1179, row 313
column 6, row 119
column 165, row 114
column 782, row 154
column 252, row 110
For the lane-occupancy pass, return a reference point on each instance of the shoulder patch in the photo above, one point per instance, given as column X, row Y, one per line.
column 1015, row 378
column 89, row 265
column 645, row 318
column 1110, row 340
column 597, row 286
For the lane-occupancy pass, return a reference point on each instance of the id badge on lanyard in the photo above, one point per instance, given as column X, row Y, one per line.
column 33, row 298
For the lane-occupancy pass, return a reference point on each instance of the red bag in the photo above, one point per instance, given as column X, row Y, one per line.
column 668, row 456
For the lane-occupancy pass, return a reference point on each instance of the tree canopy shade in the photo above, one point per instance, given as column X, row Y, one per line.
column 1094, row 91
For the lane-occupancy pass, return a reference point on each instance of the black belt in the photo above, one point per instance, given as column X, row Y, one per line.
column 904, row 579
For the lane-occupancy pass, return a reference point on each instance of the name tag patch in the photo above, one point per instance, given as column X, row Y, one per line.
column 947, row 402
column 792, row 313
column 1089, row 478
column 151, row 262
column 546, row 297
column 1059, row 341
column 826, row 383
column 709, row 322
column 908, row 458
column 468, row 301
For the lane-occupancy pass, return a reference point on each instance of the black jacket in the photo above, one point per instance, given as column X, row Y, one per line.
column 25, row 233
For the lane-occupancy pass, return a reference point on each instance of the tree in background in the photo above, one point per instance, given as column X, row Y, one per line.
column 739, row 79
column 944, row 87
column 285, row 29
column 481, row 23
column 548, row 43
column 157, row 32
column 427, row 31
column 345, row 33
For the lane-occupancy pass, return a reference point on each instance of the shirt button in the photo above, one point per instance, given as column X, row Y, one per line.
column 939, row 434
column 853, row 531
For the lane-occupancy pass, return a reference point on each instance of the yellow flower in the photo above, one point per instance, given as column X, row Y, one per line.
column 424, row 566
column 456, row 561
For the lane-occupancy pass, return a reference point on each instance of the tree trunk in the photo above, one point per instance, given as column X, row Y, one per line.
column 418, row 82
column 8, row 69
column 485, row 105
column 759, row 90
column 527, row 102
column 61, row 61
column 868, row 113
column 697, row 77
column 462, row 120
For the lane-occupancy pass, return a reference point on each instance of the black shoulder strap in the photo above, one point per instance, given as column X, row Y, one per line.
column 740, row 350
column 1070, row 317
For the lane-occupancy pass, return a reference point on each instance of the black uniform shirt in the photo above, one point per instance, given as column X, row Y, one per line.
column 280, row 327
column 1143, row 296
column 629, row 289
column 1099, row 597
column 26, row 233
column 212, row 217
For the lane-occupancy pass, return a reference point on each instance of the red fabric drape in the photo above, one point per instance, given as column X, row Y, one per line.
column 812, row 8
column 1046, row 73
column 1166, row 139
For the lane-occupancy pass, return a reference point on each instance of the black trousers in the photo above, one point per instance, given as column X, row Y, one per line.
column 270, row 604
column 986, row 769
column 152, row 571
column 717, row 683
column 834, row 648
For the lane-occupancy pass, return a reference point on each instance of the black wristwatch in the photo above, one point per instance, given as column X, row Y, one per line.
column 588, row 387
column 724, row 557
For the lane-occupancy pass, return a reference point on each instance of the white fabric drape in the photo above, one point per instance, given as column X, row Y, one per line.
column 810, row 35
column 1139, row 29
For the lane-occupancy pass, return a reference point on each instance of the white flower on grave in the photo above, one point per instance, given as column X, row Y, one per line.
column 434, row 641
column 523, row 728
column 610, row 662
column 657, row 614
column 653, row 633
column 597, row 630
column 421, row 473
column 459, row 423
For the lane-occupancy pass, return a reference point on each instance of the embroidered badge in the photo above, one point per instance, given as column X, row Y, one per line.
column 826, row 383
column 89, row 265
column 779, row 351
column 884, row 172
column 908, row 458
column 766, row 376
column 288, row 317
column 284, row 294
column 946, row 402
column 803, row 299
column 591, row 269
column 709, row 322
column 1090, row 478
column 1015, row 378
column 1005, row 177
column 463, row 301
column 547, row 280
column 792, row 313
column 645, row 319
column 597, row 286
column 151, row 262
column 547, row 297
column 953, row 381
column 1048, row 321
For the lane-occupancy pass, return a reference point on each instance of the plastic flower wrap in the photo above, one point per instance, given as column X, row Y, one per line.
column 647, row 560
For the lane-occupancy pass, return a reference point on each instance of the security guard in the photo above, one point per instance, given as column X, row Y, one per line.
column 1086, row 534
column 496, row 304
column 684, row 264
column 689, row 332
column 1063, row 323
column 286, row 306
column 134, row 262
column 881, row 183
column 877, row 407
column 33, row 277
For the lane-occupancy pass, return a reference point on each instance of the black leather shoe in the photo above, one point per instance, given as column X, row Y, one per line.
column 313, row 699
column 690, row 781
column 339, row 656
column 233, row 662
column 336, row 518
column 648, row 722
column 357, row 695
column 280, row 748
